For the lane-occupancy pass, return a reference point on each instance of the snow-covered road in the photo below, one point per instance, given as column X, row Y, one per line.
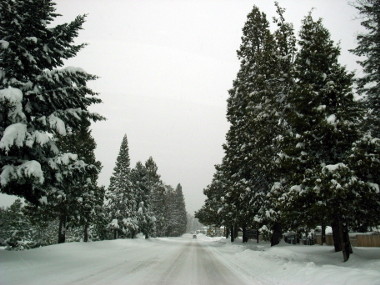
column 159, row 261
column 187, row 261
column 173, row 262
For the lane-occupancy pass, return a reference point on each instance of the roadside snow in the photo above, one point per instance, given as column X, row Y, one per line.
column 302, row 265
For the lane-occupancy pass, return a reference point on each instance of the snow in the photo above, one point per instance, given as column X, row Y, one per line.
column 331, row 119
column 334, row 167
column 13, row 97
column 72, row 69
column 4, row 44
column 375, row 186
column 29, row 169
column 185, row 260
column 13, row 135
column 57, row 124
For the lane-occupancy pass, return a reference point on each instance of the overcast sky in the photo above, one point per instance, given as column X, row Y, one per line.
column 165, row 67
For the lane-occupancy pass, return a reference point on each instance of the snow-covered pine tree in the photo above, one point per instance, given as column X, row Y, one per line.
column 15, row 229
column 246, row 112
column 177, row 219
column 158, row 197
column 215, row 209
column 181, row 209
column 364, row 156
column 145, row 217
column 364, row 160
column 39, row 99
column 323, row 121
column 121, row 201
column 85, row 206
column 369, row 48
column 255, row 111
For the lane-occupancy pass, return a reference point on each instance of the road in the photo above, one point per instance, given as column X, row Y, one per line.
column 177, row 261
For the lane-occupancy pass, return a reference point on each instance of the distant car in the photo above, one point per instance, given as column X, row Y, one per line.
column 194, row 236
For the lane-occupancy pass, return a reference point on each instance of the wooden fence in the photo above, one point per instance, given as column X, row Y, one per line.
column 363, row 240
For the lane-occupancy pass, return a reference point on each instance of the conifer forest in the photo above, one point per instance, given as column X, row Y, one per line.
column 302, row 150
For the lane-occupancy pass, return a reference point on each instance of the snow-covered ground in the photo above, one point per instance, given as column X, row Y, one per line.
column 187, row 261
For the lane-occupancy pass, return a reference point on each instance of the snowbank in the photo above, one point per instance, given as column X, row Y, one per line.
column 302, row 265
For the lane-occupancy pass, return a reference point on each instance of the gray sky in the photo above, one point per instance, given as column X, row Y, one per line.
column 165, row 67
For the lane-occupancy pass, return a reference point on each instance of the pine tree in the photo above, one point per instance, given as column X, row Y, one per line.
column 181, row 217
column 145, row 217
column 88, row 197
column 15, row 229
column 79, row 201
column 38, row 97
column 158, row 195
column 323, row 120
column 255, row 111
column 121, row 200
column 177, row 219
column 369, row 47
column 247, row 147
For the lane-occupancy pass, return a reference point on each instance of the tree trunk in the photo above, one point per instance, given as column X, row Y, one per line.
column 227, row 231
column 336, row 238
column 276, row 235
column 232, row 234
column 115, row 234
column 245, row 237
column 345, row 241
column 85, row 233
column 62, row 229
column 323, row 234
column 341, row 238
column 257, row 235
column 236, row 231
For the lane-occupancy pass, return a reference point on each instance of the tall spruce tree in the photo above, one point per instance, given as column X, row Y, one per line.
column 255, row 111
column 323, row 120
column 177, row 219
column 246, row 149
column 369, row 48
column 145, row 217
column 121, row 200
column 79, row 201
column 88, row 197
column 39, row 99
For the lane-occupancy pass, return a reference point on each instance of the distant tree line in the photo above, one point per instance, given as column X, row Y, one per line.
column 137, row 200
column 301, row 151
column 47, row 151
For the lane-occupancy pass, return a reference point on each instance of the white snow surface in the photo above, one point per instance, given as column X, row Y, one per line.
column 30, row 169
column 14, row 134
column 187, row 261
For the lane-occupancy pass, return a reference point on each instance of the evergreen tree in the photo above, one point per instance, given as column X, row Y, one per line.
column 79, row 201
column 247, row 147
column 121, row 200
column 177, row 219
column 181, row 216
column 15, row 230
column 255, row 111
column 88, row 197
column 369, row 47
column 323, row 119
column 158, row 195
column 139, row 178
column 39, row 99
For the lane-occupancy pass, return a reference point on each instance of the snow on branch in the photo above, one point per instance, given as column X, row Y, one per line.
column 28, row 169
column 13, row 135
